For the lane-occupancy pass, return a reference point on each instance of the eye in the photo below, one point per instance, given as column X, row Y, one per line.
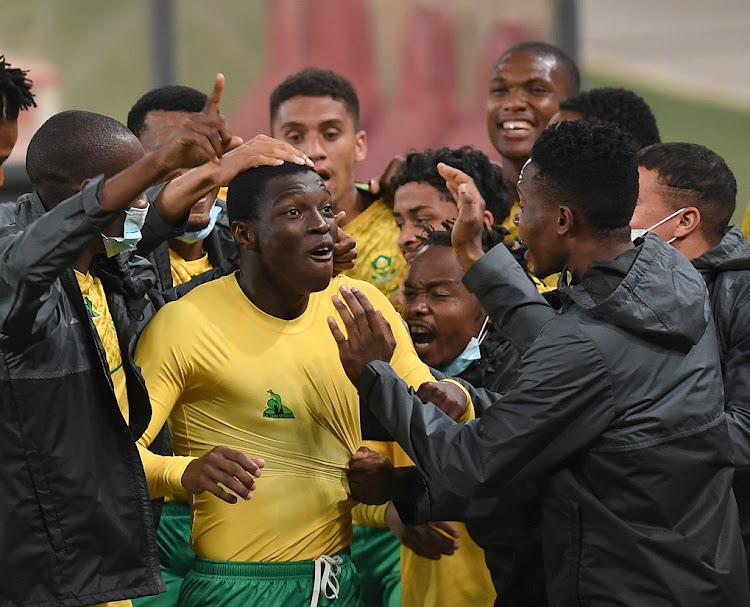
column 439, row 294
column 292, row 212
column 331, row 135
column 538, row 90
column 294, row 137
column 328, row 208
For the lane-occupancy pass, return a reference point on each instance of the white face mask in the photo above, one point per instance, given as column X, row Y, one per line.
column 469, row 355
column 135, row 218
column 640, row 233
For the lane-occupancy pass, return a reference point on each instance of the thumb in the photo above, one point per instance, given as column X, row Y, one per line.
column 465, row 195
column 362, row 453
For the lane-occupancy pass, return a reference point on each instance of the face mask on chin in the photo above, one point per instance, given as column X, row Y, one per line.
column 131, row 233
column 469, row 355
column 635, row 234
column 202, row 234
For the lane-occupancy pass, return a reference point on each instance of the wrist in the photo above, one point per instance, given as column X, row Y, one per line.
column 468, row 256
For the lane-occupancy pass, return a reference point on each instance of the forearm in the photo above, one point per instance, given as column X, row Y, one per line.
column 369, row 516
column 181, row 194
column 163, row 472
column 517, row 309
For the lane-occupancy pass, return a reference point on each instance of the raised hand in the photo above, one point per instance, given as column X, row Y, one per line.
column 201, row 137
column 369, row 336
column 223, row 466
column 469, row 225
column 261, row 150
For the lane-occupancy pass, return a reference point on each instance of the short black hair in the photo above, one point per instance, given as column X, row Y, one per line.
column 247, row 189
column 697, row 177
column 624, row 109
column 592, row 168
column 544, row 49
column 487, row 175
column 72, row 146
column 174, row 98
column 15, row 91
column 443, row 238
column 315, row 82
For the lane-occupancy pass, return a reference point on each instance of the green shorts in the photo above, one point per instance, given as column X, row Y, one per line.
column 238, row 584
column 175, row 554
column 377, row 555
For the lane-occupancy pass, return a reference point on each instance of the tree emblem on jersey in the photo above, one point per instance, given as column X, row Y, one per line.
column 382, row 269
column 276, row 409
column 90, row 307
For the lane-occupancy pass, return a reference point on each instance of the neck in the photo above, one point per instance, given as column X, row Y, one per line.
column 693, row 246
column 512, row 169
column 353, row 202
column 189, row 251
column 83, row 262
column 587, row 252
column 259, row 287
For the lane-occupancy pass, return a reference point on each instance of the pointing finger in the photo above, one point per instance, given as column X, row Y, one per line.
column 212, row 103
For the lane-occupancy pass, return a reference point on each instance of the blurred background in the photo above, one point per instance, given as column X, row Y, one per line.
column 420, row 66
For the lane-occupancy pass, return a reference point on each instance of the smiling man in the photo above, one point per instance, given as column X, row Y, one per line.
column 617, row 412
column 317, row 111
column 249, row 358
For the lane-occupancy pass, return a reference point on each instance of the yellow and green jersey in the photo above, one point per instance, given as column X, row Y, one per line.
column 379, row 260
column 226, row 373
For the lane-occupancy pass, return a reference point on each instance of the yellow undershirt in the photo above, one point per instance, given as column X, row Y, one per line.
column 379, row 260
column 226, row 373
column 183, row 271
column 96, row 303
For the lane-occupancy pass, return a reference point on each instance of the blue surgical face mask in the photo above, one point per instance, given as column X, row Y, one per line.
column 469, row 355
column 131, row 233
column 197, row 235
column 640, row 233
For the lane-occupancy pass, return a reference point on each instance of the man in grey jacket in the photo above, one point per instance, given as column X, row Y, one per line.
column 618, row 410
column 687, row 197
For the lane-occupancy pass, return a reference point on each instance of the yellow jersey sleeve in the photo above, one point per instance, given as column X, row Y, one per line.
column 159, row 355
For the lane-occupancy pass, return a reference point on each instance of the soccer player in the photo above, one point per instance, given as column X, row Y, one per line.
column 248, row 360
column 317, row 111
column 635, row 466
column 72, row 302
column 206, row 241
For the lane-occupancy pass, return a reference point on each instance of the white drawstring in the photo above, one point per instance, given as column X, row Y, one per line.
column 327, row 570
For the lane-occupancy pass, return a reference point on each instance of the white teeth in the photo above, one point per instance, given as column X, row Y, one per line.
column 420, row 330
column 514, row 125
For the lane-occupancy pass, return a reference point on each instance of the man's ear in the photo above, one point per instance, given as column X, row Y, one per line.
column 489, row 219
column 565, row 220
column 689, row 220
column 245, row 235
column 360, row 151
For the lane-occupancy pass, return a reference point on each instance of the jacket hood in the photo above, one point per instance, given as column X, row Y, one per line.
column 660, row 296
column 732, row 253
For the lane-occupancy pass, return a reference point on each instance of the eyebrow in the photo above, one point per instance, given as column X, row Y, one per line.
column 414, row 210
column 325, row 124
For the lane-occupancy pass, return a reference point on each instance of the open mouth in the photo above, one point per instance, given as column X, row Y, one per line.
column 422, row 337
column 322, row 253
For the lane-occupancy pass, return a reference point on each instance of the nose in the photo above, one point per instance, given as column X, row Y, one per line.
column 515, row 100
column 139, row 203
column 416, row 305
column 319, row 224
column 313, row 147
column 407, row 237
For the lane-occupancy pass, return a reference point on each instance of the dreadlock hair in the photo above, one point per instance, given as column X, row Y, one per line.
column 15, row 91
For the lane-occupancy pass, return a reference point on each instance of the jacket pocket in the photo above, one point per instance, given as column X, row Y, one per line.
column 574, row 520
column 44, row 498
